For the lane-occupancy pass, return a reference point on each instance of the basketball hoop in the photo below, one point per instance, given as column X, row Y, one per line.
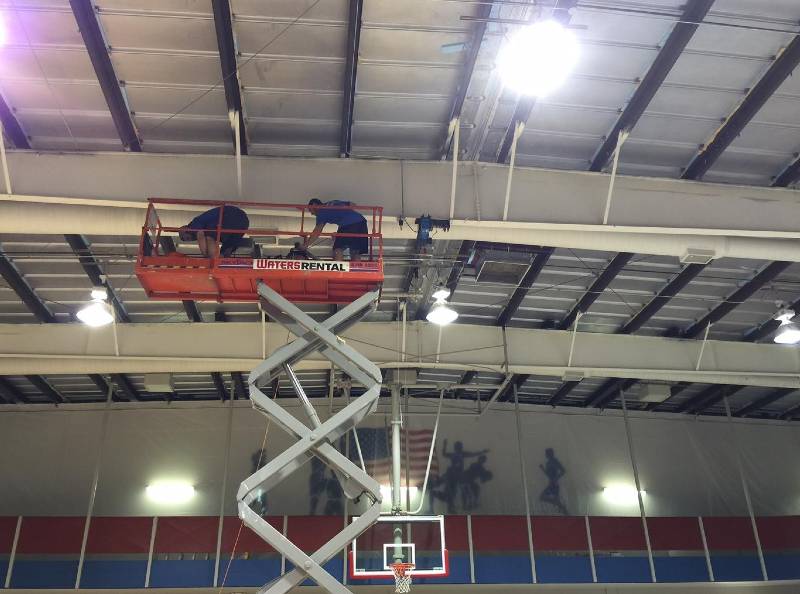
column 402, row 579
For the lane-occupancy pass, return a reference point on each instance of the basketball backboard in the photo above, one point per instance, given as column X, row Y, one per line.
column 423, row 544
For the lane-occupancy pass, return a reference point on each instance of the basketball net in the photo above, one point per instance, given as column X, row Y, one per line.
column 402, row 579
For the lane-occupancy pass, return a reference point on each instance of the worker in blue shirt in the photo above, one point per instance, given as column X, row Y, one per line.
column 348, row 221
column 203, row 229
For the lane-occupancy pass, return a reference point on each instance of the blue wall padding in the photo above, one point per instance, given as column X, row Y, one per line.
column 503, row 569
column 459, row 570
column 783, row 566
column 182, row 574
column 113, row 573
column 250, row 572
column 681, row 569
column 563, row 569
column 622, row 569
column 333, row 567
column 736, row 568
column 44, row 574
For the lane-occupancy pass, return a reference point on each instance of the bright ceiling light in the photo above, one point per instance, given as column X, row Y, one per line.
column 538, row 58
column 441, row 313
column 97, row 313
column 789, row 334
column 441, row 293
column 622, row 494
column 170, row 492
column 100, row 293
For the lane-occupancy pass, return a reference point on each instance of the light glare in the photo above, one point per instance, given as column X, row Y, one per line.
column 99, row 293
column 441, row 314
column 622, row 494
column 538, row 58
column 95, row 314
column 788, row 335
column 170, row 492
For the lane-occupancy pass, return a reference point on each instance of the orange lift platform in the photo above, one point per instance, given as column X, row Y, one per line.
column 169, row 275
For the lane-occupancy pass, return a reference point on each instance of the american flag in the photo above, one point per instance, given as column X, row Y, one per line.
column 376, row 447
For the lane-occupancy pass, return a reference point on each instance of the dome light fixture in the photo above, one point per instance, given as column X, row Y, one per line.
column 538, row 58
column 441, row 313
column 789, row 332
column 98, row 312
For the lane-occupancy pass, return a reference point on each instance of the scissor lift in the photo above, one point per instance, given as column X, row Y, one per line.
column 279, row 283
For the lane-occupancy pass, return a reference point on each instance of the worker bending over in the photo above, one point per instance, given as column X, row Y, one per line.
column 347, row 220
column 203, row 229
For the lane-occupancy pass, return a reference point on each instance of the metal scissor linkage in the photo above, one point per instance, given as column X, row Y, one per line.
column 317, row 439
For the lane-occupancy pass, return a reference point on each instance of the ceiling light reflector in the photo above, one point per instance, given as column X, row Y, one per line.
column 441, row 313
column 95, row 314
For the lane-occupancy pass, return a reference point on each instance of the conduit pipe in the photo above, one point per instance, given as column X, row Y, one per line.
column 54, row 217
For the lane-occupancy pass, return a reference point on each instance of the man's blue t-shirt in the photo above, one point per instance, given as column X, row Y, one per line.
column 233, row 217
column 338, row 216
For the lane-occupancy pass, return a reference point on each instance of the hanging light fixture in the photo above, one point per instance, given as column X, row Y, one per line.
column 441, row 313
column 538, row 58
column 98, row 312
column 789, row 332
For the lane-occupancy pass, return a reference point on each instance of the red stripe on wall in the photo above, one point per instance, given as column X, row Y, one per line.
column 187, row 535
column 559, row 534
column 729, row 533
column 779, row 532
column 617, row 534
column 249, row 541
column 675, row 534
column 119, row 535
column 8, row 525
column 499, row 533
column 311, row 532
column 51, row 536
column 455, row 533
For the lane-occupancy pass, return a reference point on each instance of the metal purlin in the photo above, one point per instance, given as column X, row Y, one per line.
column 314, row 440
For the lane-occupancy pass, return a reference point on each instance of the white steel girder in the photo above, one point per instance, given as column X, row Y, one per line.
column 103, row 193
column 233, row 346
column 313, row 440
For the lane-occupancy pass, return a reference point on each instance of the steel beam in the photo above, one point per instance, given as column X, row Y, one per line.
column 83, row 251
column 350, row 76
column 466, row 378
column 596, row 289
column 707, row 398
column 609, row 391
column 219, row 384
column 46, row 389
column 467, row 70
column 694, row 12
column 765, row 400
column 11, row 126
column 462, row 260
column 554, row 208
column 205, row 348
column 226, row 43
column 672, row 288
column 789, row 175
column 562, row 392
column 89, row 26
column 239, row 388
column 24, row 291
column 522, row 112
column 10, row 393
column 538, row 262
column 783, row 66
column 735, row 299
